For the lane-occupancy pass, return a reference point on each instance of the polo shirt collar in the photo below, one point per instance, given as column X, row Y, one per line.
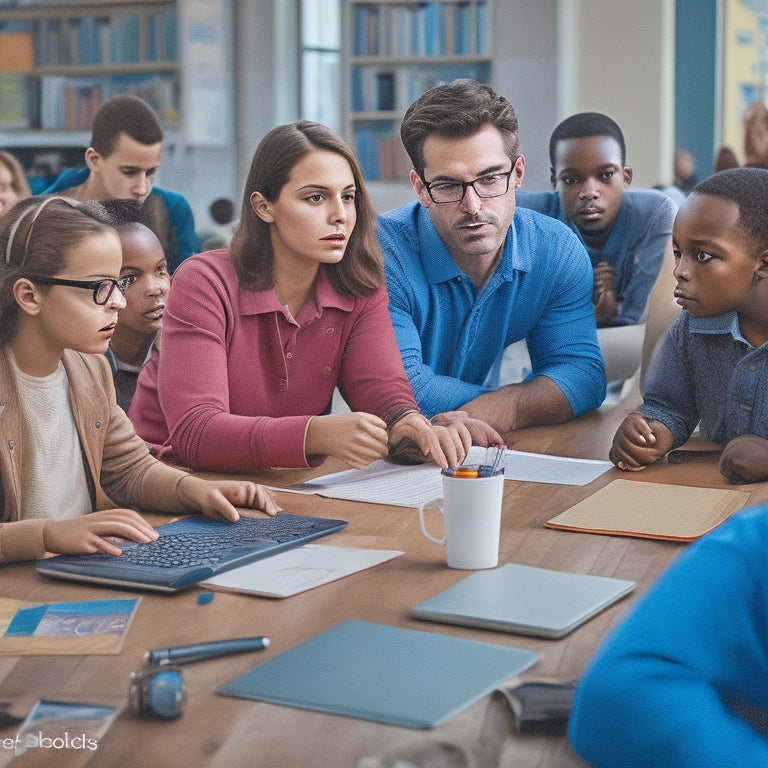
column 264, row 302
column 438, row 264
column 727, row 322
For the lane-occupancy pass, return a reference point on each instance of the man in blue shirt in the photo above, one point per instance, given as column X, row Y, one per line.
column 121, row 163
column 468, row 274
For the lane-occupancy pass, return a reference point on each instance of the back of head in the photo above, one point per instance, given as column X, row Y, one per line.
column 748, row 188
column 124, row 114
column 583, row 125
column 222, row 210
column 725, row 159
column 19, row 182
column 457, row 110
column 278, row 152
column 35, row 237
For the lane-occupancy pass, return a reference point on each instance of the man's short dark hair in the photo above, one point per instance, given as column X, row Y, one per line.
column 457, row 110
column 748, row 188
column 124, row 114
column 584, row 125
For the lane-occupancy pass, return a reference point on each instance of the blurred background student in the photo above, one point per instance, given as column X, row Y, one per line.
column 13, row 182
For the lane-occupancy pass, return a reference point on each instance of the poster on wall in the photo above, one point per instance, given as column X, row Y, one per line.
column 745, row 65
column 207, row 89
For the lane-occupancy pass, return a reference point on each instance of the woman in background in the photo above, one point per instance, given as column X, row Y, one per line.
column 13, row 182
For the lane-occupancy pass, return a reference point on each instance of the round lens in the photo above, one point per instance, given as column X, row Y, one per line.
column 166, row 695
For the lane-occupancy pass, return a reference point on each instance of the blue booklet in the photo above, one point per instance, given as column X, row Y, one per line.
column 386, row 674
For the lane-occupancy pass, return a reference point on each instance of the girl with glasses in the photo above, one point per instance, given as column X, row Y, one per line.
column 256, row 338
column 72, row 470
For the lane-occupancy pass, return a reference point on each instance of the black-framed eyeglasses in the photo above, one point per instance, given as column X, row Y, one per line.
column 102, row 289
column 490, row 185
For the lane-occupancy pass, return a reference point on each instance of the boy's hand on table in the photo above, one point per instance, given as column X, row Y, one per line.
column 745, row 459
column 639, row 442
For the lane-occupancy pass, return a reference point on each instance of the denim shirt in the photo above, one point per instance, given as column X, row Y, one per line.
column 707, row 371
column 635, row 246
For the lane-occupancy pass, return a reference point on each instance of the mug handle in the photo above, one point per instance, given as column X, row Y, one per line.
column 436, row 504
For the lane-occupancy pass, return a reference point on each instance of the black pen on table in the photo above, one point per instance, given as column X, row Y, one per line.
column 184, row 654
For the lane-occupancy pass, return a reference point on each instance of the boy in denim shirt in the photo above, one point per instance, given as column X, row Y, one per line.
column 714, row 362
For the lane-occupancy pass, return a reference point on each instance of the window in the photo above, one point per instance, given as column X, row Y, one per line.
column 321, row 62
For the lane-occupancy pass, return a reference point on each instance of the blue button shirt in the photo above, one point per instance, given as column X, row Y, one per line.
column 707, row 371
column 634, row 248
column 451, row 333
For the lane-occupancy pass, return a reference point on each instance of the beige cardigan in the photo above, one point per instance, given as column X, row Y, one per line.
column 118, row 466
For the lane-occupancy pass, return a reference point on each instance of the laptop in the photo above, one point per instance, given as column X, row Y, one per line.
column 524, row 600
column 189, row 551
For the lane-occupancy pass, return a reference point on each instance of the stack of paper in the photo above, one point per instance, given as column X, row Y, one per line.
column 409, row 486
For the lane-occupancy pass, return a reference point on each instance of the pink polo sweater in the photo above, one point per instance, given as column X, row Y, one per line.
column 239, row 379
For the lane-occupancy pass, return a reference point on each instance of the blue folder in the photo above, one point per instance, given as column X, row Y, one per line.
column 386, row 674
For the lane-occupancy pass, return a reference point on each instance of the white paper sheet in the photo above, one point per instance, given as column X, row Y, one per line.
column 298, row 570
column 408, row 486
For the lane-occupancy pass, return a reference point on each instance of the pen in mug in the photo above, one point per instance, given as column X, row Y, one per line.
column 184, row 654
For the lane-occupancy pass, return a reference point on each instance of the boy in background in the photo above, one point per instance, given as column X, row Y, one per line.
column 121, row 164
column 625, row 231
column 713, row 365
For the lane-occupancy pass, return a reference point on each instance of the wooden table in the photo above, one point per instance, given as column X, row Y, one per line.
column 220, row 731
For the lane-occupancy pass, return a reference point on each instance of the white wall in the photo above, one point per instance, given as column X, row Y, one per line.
column 525, row 49
column 617, row 57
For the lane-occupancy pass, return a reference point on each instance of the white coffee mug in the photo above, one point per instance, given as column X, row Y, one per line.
column 471, row 510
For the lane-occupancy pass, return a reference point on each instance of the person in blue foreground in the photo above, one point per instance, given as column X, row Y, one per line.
column 469, row 274
column 714, row 361
column 625, row 231
column 683, row 681
column 121, row 164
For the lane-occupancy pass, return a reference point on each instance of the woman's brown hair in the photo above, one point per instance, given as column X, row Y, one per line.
column 359, row 273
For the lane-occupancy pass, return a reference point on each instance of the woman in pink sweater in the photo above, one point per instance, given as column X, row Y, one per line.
column 255, row 339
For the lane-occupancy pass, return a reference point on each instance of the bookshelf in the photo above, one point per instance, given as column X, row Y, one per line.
column 59, row 61
column 395, row 51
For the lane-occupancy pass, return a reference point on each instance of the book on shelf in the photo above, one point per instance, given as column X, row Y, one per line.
column 102, row 40
column 69, row 103
column 125, row 39
column 393, row 88
column 16, row 52
column 420, row 29
column 15, row 101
